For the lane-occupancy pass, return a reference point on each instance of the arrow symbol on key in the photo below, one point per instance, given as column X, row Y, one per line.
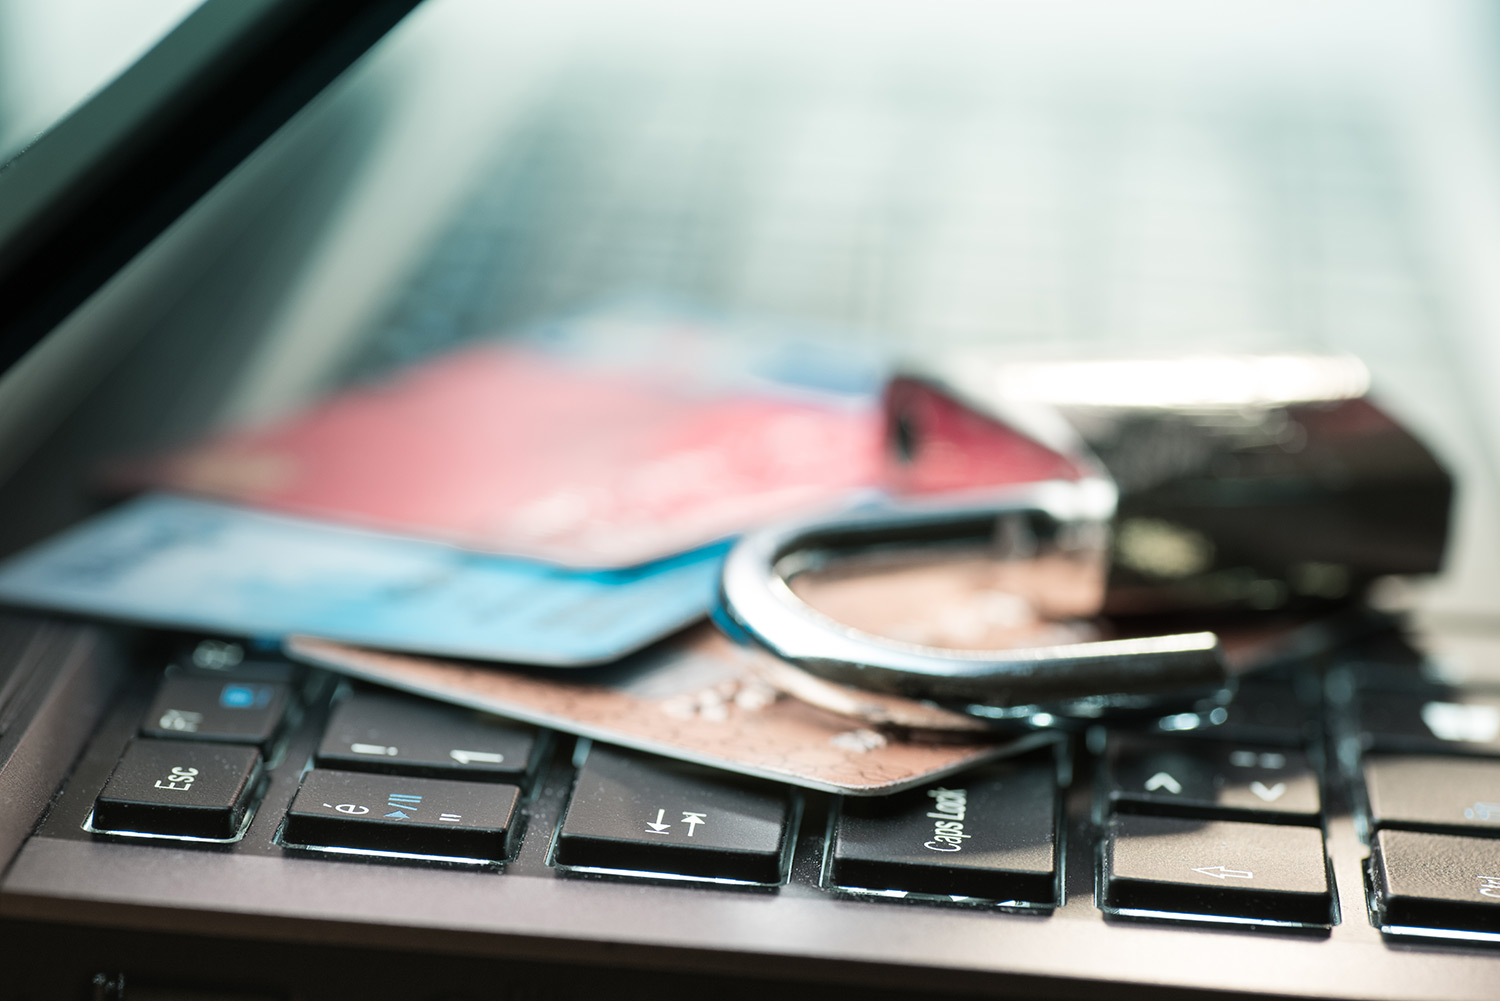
column 1161, row 780
column 657, row 827
column 481, row 757
column 1268, row 793
column 1219, row 872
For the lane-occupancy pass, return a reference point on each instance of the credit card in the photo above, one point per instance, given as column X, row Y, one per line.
column 697, row 696
column 200, row 565
column 522, row 449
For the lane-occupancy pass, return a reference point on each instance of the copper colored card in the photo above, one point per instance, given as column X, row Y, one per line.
column 697, row 697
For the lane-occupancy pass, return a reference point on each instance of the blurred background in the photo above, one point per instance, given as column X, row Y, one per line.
column 920, row 180
column 55, row 53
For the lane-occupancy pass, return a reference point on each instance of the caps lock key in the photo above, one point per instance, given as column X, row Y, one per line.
column 987, row 834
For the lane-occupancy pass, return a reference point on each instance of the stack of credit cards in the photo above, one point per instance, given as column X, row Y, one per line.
column 550, row 512
column 536, row 526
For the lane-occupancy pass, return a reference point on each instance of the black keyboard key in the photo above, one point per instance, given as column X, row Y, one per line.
column 1262, row 712
column 416, row 816
column 1217, row 869
column 240, row 712
column 989, row 834
column 399, row 734
column 230, row 659
column 1429, row 721
column 1434, row 792
column 1203, row 778
column 181, row 788
column 1428, row 880
column 653, row 815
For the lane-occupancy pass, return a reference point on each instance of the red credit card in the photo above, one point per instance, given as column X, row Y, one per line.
column 509, row 449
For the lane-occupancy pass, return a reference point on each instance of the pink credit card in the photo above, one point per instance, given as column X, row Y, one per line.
column 509, row 449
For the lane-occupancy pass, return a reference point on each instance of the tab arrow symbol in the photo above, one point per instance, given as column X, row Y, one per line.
column 1161, row 780
column 1219, row 872
column 1270, row 794
column 657, row 827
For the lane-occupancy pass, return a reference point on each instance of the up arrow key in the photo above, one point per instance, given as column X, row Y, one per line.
column 1161, row 780
column 1219, row 872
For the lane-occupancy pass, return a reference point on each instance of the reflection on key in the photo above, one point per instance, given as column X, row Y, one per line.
column 1430, row 720
column 989, row 834
column 639, row 814
column 1261, row 712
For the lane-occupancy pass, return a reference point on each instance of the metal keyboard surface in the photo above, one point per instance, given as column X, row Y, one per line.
column 520, row 911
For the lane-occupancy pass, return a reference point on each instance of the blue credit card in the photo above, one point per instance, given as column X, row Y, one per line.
column 190, row 564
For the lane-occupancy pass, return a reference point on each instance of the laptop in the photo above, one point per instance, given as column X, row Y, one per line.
column 916, row 180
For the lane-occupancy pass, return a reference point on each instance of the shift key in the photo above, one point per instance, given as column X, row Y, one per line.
column 1217, row 869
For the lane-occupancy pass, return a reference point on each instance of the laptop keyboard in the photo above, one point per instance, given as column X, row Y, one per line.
column 1216, row 819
